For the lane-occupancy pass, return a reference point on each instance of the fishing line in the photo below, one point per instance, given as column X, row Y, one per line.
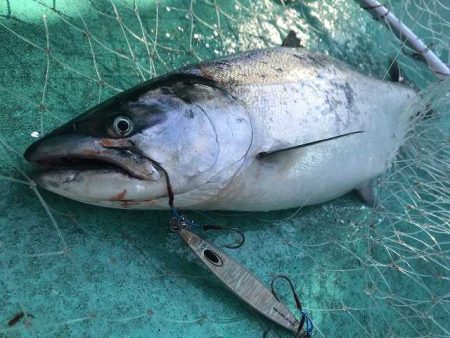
column 177, row 218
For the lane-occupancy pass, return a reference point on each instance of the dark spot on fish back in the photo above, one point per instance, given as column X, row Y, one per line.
column 222, row 65
column 348, row 93
column 318, row 59
column 165, row 90
column 189, row 113
column 299, row 56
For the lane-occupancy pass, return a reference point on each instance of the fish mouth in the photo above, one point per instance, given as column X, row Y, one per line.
column 83, row 164
column 77, row 153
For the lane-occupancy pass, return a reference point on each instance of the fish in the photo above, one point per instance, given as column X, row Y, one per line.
column 261, row 130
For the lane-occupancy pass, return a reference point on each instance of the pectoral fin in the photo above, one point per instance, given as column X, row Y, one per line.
column 276, row 151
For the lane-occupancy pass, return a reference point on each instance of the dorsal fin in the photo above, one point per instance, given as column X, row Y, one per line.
column 265, row 154
column 291, row 40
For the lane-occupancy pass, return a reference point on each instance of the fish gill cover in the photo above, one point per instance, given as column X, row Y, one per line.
column 76, row 269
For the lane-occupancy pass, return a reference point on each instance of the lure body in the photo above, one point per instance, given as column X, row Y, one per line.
column 241, row 282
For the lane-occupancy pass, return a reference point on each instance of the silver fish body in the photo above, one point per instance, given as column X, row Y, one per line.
column 262, row 130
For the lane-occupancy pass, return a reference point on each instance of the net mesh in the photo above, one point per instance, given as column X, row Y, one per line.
column 77, row 269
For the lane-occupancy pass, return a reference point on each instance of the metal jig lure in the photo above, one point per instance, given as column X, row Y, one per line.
column 242, row 282
column 235, row 276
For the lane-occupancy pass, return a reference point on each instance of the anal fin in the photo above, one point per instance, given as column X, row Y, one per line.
column 367, row 194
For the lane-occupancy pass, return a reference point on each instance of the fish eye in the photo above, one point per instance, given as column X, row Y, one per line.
column 123, row 126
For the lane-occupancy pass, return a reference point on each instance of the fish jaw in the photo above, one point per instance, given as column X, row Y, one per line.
column 106, row 188
column 108, row 172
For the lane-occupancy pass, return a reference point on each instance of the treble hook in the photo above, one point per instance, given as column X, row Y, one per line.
column 235, row 245
column 180, row 221
column 309, row 329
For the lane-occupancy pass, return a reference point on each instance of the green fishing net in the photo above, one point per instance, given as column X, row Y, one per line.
column 79, row 270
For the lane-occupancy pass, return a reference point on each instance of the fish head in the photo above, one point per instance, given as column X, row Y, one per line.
column 123, row 152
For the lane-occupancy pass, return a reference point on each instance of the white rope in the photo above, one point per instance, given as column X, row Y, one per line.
column 402, row 32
